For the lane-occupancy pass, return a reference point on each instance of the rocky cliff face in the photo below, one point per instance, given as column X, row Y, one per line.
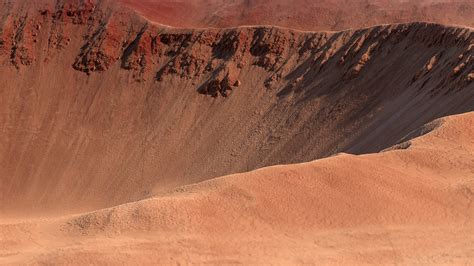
column 95, row 94
column 147, row 50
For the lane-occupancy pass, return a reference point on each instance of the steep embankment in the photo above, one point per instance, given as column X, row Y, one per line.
column 412, row 204
column 303, row 14
column 100, row 107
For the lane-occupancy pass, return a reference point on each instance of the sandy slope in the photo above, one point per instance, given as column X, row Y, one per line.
column 99, row 107
column 303, row 14
column 410, row 205
column 114, row 130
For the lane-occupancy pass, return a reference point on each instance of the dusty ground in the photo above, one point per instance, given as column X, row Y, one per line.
column 126, row 141
column 410, row 205
column 303, row 14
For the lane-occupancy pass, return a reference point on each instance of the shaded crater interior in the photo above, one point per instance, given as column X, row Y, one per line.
column 100, row 107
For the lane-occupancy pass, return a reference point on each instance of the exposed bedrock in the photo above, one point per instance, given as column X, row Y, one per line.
column 93, row 96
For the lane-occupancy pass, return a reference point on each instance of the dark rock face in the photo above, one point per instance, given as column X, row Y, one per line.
column 211, row 57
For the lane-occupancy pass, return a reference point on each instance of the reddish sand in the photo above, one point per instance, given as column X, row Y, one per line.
column 126, row 141
column 411, row 205
column 303, row 14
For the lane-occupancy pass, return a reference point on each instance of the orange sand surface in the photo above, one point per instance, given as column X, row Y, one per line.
column 403, row 205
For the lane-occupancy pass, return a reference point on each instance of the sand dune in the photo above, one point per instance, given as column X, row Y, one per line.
column 410, row 205
column 128, row 141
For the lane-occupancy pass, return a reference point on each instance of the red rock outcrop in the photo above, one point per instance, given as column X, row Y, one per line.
column 94, row 94
column 153, row 52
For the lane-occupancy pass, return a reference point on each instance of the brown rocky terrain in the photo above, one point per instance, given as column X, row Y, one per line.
column 101, row 107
